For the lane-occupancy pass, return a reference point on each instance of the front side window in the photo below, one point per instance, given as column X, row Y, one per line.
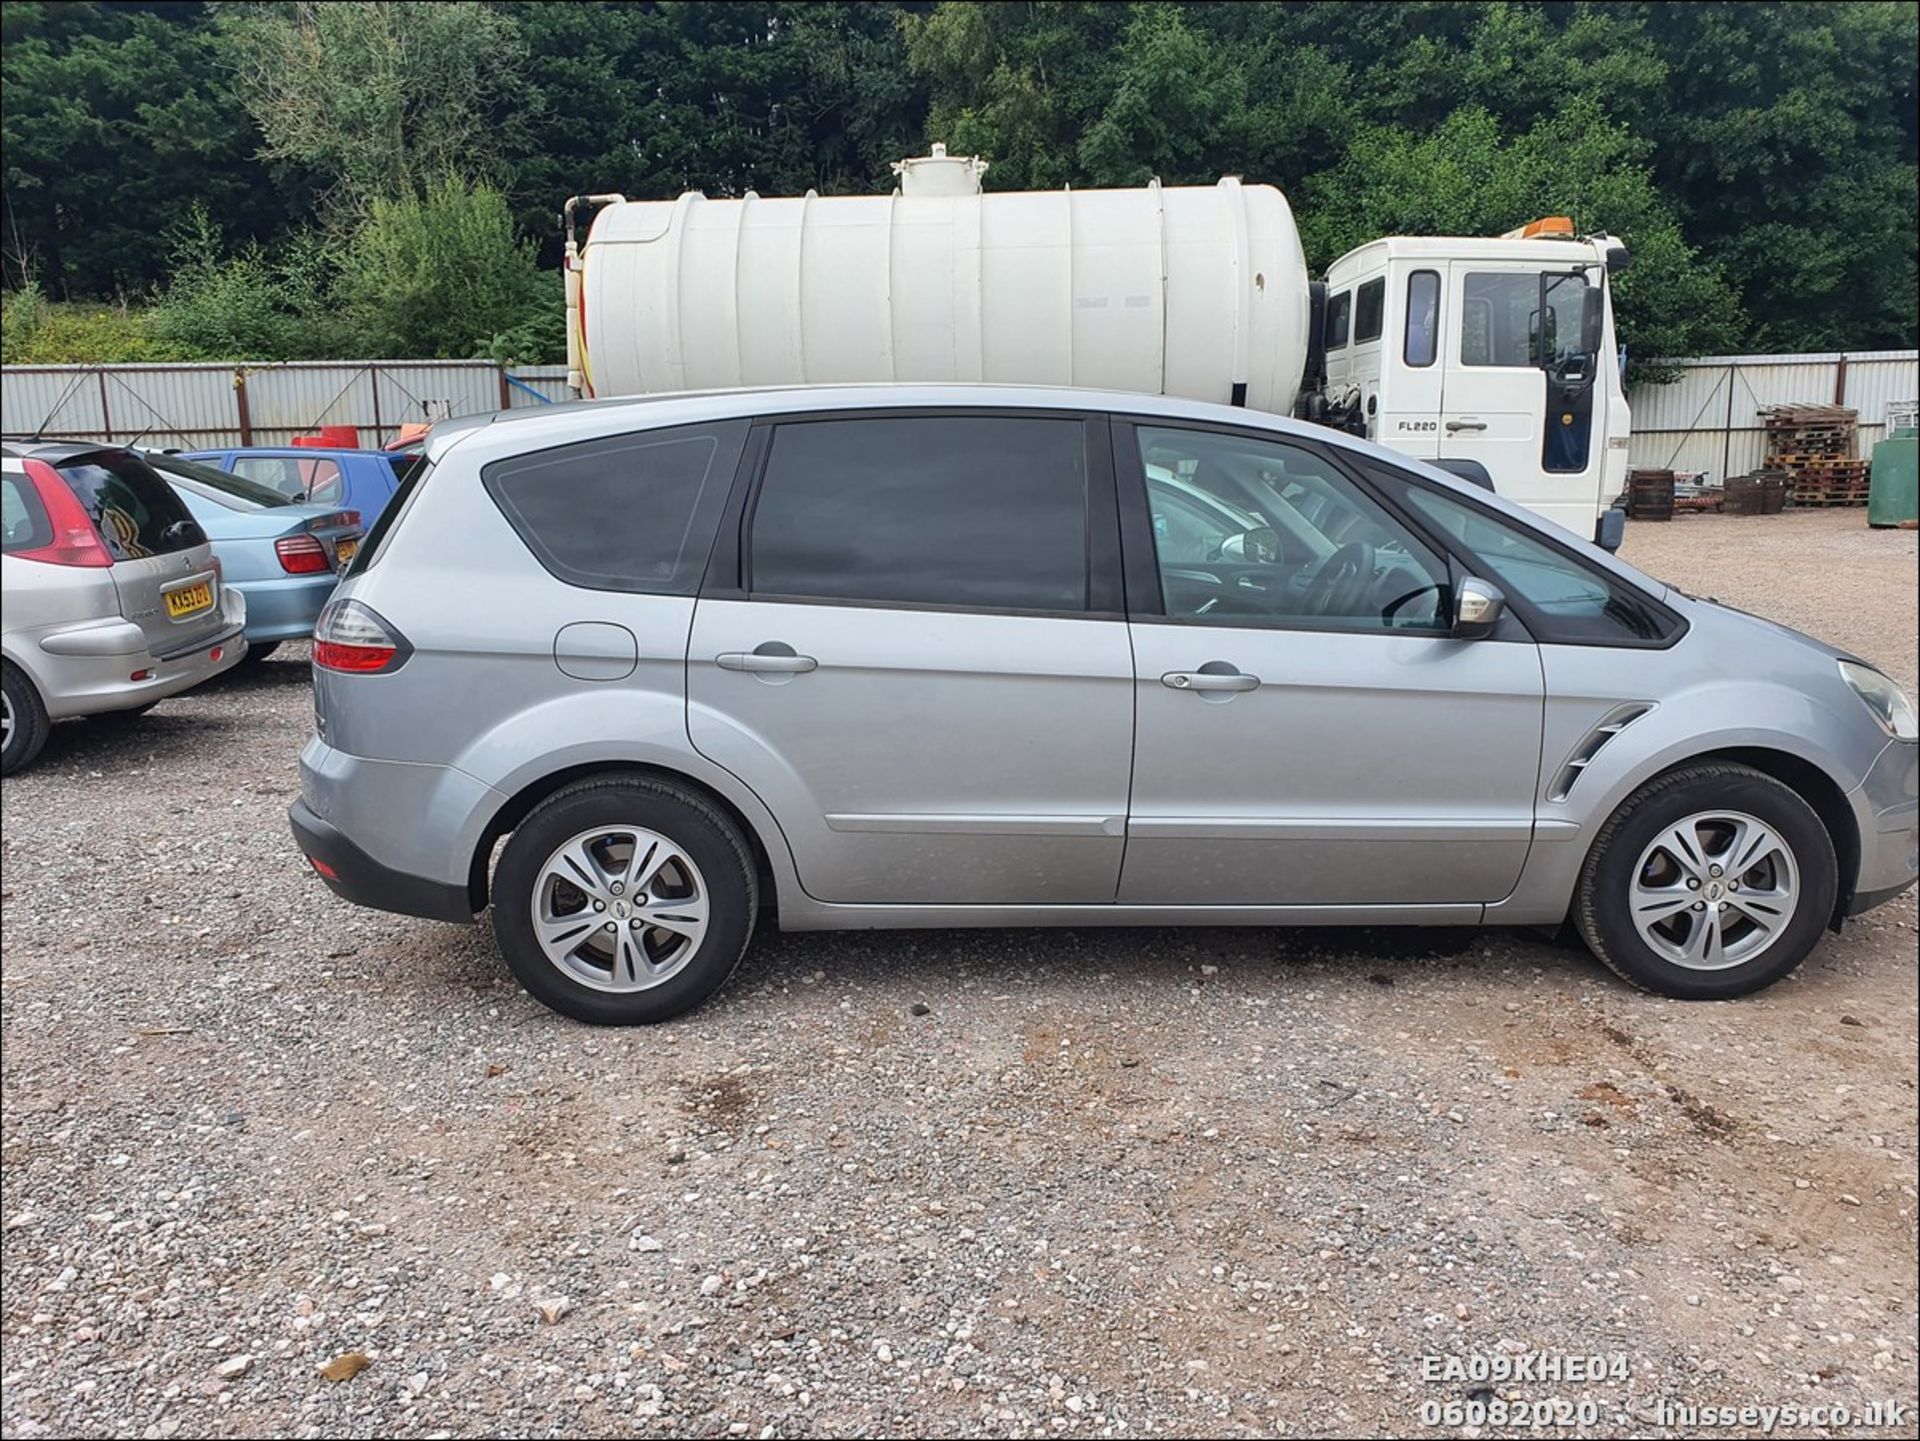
column 1369, row 310
column 1339, row 313
column 1500, row 318
column 961, row 511
column 624, row 512
column 1256, row 532
column 1569, row 602
column 1423, row 318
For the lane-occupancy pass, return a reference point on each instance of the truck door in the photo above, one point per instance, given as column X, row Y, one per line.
column 1497, row 385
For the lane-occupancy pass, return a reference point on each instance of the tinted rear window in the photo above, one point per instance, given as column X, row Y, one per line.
column 625, row 512
column 963, row 511
column 23, row 520
column 235, row 492
column 135, row 511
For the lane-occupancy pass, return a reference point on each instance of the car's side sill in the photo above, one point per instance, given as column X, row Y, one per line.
column 811, row 915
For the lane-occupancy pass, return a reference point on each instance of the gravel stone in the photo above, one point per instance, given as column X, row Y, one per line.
column 1290, row 1174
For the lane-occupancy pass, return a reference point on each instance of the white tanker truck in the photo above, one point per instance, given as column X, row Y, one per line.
column 1490, row 357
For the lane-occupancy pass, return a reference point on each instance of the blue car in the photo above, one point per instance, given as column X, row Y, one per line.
column 282, row 555
column 362, row 480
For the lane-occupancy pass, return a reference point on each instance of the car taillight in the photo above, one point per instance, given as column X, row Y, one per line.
column 301, row 555
column 75, row 541
column 353, row 638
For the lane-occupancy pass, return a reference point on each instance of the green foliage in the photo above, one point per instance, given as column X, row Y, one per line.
column 445, row 275
column 373, row 96
column 1759, row 159
column 246, row 306
column 36, row 331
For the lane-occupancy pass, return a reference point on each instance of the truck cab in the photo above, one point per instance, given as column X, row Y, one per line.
column 1494, row 358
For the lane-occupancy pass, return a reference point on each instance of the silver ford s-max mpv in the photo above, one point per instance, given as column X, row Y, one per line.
column 967, row 656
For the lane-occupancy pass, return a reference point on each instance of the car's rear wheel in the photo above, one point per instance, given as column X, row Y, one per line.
column 1709, row 882
column 23, row 720
column 624, row 901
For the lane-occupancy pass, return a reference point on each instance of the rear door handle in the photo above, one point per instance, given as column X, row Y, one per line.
column 1454, row 425
column 775, row 664
column 1204, row 680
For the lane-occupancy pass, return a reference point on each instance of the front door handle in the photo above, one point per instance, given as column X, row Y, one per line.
column 1457, row 425
column 774, row 663
column 1206, row 680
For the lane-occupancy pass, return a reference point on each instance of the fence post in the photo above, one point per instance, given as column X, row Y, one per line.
column 506, row 395
column 240, row 404
column 106, row 420
column 1840, row 381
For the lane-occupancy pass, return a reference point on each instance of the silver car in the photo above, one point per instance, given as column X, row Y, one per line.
column 635, row 672
column 113, row 598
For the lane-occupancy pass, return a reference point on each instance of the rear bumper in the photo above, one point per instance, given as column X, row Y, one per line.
column 86, row 669
column 284, row 609
column 355, row 876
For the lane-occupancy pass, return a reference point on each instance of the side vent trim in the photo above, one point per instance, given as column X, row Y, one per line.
column 1611, row 724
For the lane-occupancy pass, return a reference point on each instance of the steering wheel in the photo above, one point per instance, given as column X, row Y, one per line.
column 1340, row 585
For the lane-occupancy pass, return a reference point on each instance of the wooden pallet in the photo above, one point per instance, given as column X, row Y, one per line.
column 1817, row 501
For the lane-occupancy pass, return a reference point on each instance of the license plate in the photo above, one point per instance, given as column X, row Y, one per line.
column 189, row 599
column 344, row 552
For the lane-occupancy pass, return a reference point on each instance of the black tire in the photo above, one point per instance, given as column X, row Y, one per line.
column 1600, row 909
column 30, row 724
column 257, row 653
column 709, row 838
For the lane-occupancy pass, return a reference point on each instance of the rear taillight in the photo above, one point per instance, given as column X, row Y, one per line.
column 352, row 638
column 301, row 555
column 75, row 541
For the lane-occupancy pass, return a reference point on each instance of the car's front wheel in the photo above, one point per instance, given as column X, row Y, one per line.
column 1709, row 882
column 624, row 901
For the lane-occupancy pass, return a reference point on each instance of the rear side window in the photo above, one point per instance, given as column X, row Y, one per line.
column 23, row 520
column 1339, row 313
column 625, row 512
column 135, row 511
column 962, row 511
column 1369, row 310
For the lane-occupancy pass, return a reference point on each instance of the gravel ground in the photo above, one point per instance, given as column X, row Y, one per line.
column 1110, row 1182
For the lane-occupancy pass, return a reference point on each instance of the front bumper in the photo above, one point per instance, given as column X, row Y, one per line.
column 355, row 876
column 1887, row 804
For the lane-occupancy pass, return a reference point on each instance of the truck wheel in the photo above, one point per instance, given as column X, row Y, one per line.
column 1710, row 882
column 23, row 720
column 624, row 901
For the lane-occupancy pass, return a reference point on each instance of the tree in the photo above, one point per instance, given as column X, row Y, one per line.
column 376, row 97
column 116, row 117
column 444, row 275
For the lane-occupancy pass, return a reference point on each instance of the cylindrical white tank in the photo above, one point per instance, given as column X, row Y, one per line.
column 1193, row 291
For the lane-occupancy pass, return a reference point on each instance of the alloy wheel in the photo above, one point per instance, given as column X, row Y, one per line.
column 620, row 908
column 1714, row 890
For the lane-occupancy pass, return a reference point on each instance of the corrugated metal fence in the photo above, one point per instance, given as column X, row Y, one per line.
column 1710, row 419
column 198, row 407
column 1707, row 420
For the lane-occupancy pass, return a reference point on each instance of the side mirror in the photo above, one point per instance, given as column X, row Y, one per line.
column 1477, row 608
column 1593, row 320
column 1260, row 546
